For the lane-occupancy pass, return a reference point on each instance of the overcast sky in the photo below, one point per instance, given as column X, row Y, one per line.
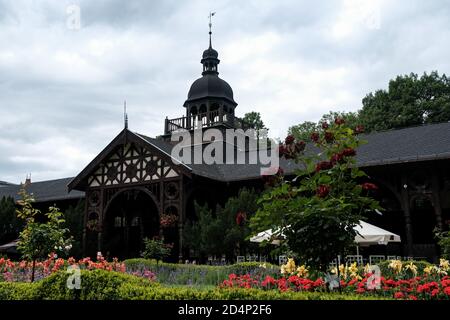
column 62, row 87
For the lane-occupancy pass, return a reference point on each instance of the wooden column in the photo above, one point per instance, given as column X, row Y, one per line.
column 101, row 216
column 85, row 223
column 181, row 208
column 407, row 215
column 436, row 199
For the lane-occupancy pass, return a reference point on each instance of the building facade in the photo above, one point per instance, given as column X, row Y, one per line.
column 135, row 180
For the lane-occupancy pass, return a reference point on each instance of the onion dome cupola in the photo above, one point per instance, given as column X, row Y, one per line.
column 210, row 93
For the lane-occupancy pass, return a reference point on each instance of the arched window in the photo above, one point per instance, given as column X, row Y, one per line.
column 135, row 222
column 118, row 222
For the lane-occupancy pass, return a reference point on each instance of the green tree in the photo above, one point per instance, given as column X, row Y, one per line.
column 443, row 238
column 10, row 225
column 254, row 118
column 317, row 211
column 74, row 219
column 304, row 130
column 156, row 249
column 39, row 239
column 224, row 231
column 409, row 101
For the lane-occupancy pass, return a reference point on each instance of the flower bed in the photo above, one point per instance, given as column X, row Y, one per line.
column 111, row 285
column 11, row 271
column 432, row 283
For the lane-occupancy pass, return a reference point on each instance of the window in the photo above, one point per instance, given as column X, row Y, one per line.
column 135, row 222
column 118, row 222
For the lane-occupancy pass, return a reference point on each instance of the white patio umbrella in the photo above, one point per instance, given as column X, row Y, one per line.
column 373, row 235
column 368, row 235
column 9, row 247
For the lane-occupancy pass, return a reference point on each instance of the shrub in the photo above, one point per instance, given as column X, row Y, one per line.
column 95, row 285
column 19, row 291
column 111, row 285
column 156, row 249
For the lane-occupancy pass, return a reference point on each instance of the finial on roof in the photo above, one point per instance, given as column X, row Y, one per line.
column 125, row 115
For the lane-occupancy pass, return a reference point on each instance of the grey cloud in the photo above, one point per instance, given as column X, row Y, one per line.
column 61, row 91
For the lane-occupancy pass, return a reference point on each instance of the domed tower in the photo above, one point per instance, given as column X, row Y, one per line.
column 210, row 98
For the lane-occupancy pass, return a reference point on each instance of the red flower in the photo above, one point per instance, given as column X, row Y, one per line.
column 315, row 137
column 339, row 121
column 322, row 191
column 329, row 137
column 280, row 171
column 434, row 292
column 359, row 129
column 337, row 157
column 319, row 282
column 349, row 152
column 369, row 186
column 445, row 283
column 240, row 218
column 300, row 146
column 289, row 139
column 411, row 297
column 399, row 295
column 324, row 125
column 324, row 165
column 447, row 291
column 281, row 150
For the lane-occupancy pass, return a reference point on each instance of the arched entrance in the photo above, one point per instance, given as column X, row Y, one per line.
column 131, row 216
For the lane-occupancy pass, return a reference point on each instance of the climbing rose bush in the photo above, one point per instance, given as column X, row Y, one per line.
column 315, row 212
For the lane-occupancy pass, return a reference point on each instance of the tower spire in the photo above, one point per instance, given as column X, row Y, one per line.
column 210, row 56
column 211, row 14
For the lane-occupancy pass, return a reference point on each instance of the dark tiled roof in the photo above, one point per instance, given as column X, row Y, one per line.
column 5, row 184
column 420, row 143
column 427, row 142
column 44, row 191
column 412, row 144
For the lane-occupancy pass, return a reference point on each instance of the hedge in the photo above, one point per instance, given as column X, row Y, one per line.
column 110, row 285
column 199, row 275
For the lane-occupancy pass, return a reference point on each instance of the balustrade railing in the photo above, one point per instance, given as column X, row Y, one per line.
column 204, row 120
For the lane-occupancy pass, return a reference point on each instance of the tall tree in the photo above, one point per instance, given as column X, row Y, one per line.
column 38, row 239
column 10, row 225
column 74, row 222
column 254, row 118
column 409, row 101
column 225, row 230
